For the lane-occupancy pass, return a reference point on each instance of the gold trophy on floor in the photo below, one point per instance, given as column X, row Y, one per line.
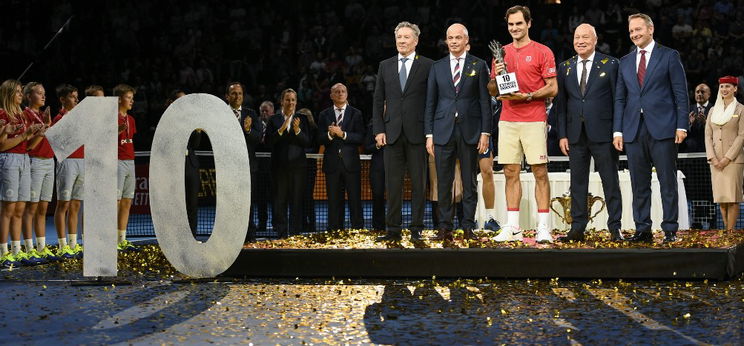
column 565, row 203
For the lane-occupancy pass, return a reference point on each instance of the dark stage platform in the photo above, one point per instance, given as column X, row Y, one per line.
column 622, row 262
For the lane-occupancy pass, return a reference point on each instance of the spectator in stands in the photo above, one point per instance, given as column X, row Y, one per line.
column 724, row 138
column 695, row 141
column 341, row 131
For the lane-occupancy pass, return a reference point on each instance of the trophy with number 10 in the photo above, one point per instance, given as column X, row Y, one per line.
column 506, row 81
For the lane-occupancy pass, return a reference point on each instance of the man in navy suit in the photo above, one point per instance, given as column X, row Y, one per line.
column 584, row 106
column 248, row 119
column 341, row 131
column 457, row 124
column 651, row 120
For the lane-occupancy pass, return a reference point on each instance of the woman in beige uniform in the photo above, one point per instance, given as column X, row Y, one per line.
column 724, row 138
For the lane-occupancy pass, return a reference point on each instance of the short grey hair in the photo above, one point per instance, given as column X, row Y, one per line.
column 267, row 103
column 413, row 27
column 643, row 16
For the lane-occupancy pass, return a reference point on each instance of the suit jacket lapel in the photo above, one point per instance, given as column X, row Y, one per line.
column 652, row 63
column 594, row 71
column 573, row 73
column 412, row 72
column 347, row 117
column 465, row 70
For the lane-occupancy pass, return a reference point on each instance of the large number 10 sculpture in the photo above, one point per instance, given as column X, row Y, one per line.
column 93, row 123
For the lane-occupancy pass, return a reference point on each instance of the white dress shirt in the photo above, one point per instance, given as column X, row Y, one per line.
column 337, row 113
column 579, row 67
column 409, row 62
column 453, row 62
column 649, row 49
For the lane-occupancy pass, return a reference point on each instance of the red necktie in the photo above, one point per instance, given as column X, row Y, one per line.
column 642, row 68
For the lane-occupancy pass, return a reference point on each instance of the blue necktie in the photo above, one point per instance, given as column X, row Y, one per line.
column 403, row 74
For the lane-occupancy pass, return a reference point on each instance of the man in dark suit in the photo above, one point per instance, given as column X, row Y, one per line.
column 698, row 188
column 263, row 190
column 457, row 124
column 376, row 179
column 251, row 125
column 287, row 133
column 341, row 131
column 586, row 96
column 651, row 119
column 695, row 141
column 397, row 119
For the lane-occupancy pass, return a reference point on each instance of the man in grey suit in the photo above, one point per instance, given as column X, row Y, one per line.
column 584, row 107
column 457, row 126
column 398, row 124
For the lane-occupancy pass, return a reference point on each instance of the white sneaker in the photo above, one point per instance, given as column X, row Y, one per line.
column 543, row 235
column 509, row 233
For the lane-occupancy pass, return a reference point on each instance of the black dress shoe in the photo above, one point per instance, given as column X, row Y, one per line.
column 468, row 234
column 390, row 236
column 670, row 236
column 573, row 235
column 642, row 237
column 444, row 234
column 415, row 234
column 419, row 243
column 616, row 235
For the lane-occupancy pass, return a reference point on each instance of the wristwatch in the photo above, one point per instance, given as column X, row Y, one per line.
column 529, row 97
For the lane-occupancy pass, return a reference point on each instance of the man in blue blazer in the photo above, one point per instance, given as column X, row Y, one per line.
column 584, row 106
column 341, row 131
column 651, row 110
column 457, row 124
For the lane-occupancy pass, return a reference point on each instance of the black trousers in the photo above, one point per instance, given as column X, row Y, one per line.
column 377, row 183
column 606, row 163
column 336, row 183
column 262, row 192
column 400, row 156
column 289, row 191
column 445, row 157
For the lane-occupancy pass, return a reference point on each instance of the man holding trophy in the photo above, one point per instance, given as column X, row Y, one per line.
column 523, row 76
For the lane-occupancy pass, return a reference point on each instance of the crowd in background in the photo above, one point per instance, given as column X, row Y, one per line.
column 309, row 46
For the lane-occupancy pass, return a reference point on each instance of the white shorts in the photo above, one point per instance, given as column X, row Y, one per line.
column 42, row 179
column 15, row 177
column 125, row 179
column 70, row 179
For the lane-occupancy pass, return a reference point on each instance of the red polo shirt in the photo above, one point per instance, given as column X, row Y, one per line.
column 43, row 149
column 531, row 63
column 126, row 145
column 21, row 147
